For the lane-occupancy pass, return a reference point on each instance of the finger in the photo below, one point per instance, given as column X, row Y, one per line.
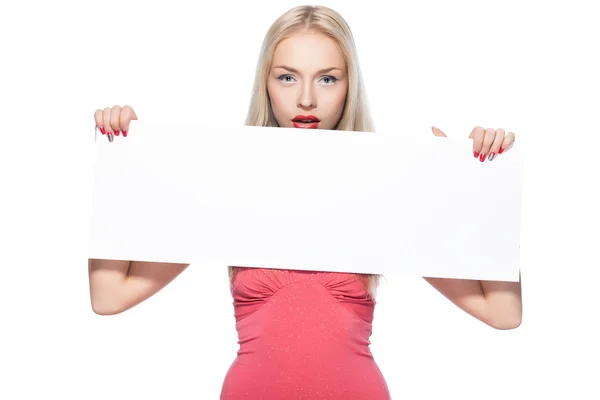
column 472, row 134
column 437, row 132
column 106, row 121
column 115, row 117
column 488, row 139
column 99, row 121
column 477, row 135
column 507, row 142
column 495, row 148
column 127, row 114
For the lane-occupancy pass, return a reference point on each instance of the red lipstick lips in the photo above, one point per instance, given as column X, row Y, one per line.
column 306, row 121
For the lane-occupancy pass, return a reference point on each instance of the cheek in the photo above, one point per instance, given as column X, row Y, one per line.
column 341, row 98
column 278, row 99
column 337, row 101
column 279, row 95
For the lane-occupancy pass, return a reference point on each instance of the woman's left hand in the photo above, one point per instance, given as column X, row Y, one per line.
column 486, row 142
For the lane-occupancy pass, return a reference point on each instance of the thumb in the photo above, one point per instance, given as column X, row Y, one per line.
column 437, row 132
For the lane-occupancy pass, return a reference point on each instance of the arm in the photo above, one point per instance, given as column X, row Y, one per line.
column 498, row 304
column 116, row 286
column 495, row 303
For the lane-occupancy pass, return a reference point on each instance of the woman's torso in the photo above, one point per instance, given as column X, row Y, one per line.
column 302, row 335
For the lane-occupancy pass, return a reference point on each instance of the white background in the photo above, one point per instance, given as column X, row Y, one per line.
column 529, row 67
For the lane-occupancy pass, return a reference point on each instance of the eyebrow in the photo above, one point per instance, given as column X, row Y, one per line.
column 321, row 71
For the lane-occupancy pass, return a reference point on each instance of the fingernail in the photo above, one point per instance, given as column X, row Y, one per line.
column 102, row 130
column 117, row 132
column 124, row 133
column 475, row 154
column 110, row 136
column 482, row 157
column 491, row 156
column 501, row 150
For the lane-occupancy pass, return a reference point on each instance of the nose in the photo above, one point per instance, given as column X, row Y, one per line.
column 307, row 97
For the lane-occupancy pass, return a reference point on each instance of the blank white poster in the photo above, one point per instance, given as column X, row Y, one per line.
column 306, row 200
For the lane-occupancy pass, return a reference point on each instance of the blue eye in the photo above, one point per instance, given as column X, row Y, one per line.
column 285, row 78
column 332, row 79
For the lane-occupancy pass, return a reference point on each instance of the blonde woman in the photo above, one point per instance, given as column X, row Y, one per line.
column 303, row 334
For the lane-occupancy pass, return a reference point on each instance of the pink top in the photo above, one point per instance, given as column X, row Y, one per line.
column 302, row 335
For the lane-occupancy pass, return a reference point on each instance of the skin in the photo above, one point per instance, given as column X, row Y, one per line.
column 297, row 85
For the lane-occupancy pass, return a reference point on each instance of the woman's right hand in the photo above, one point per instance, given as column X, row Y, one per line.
column 113, row 121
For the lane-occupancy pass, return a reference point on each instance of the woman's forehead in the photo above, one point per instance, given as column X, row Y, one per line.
column 308, row 52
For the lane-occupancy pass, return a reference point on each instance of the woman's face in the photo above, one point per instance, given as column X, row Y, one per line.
column 308, row 81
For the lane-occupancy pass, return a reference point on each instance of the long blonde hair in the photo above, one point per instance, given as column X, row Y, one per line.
column 355, row 116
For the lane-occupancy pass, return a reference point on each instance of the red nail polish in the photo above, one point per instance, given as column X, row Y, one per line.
column 482, row 157
column 475, row 154
column 117, row 132
column 102, row 130
column 124, row 133
column 501, row 150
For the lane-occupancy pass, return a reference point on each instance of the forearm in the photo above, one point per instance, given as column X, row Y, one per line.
column 495, row 303
column 117, row 286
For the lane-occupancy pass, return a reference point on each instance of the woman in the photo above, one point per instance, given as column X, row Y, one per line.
column 303, row 334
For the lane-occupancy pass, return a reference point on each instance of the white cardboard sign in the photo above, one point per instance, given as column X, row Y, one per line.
column 306, row 200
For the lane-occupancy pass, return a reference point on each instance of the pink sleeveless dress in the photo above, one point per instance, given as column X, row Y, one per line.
column 302, row 335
